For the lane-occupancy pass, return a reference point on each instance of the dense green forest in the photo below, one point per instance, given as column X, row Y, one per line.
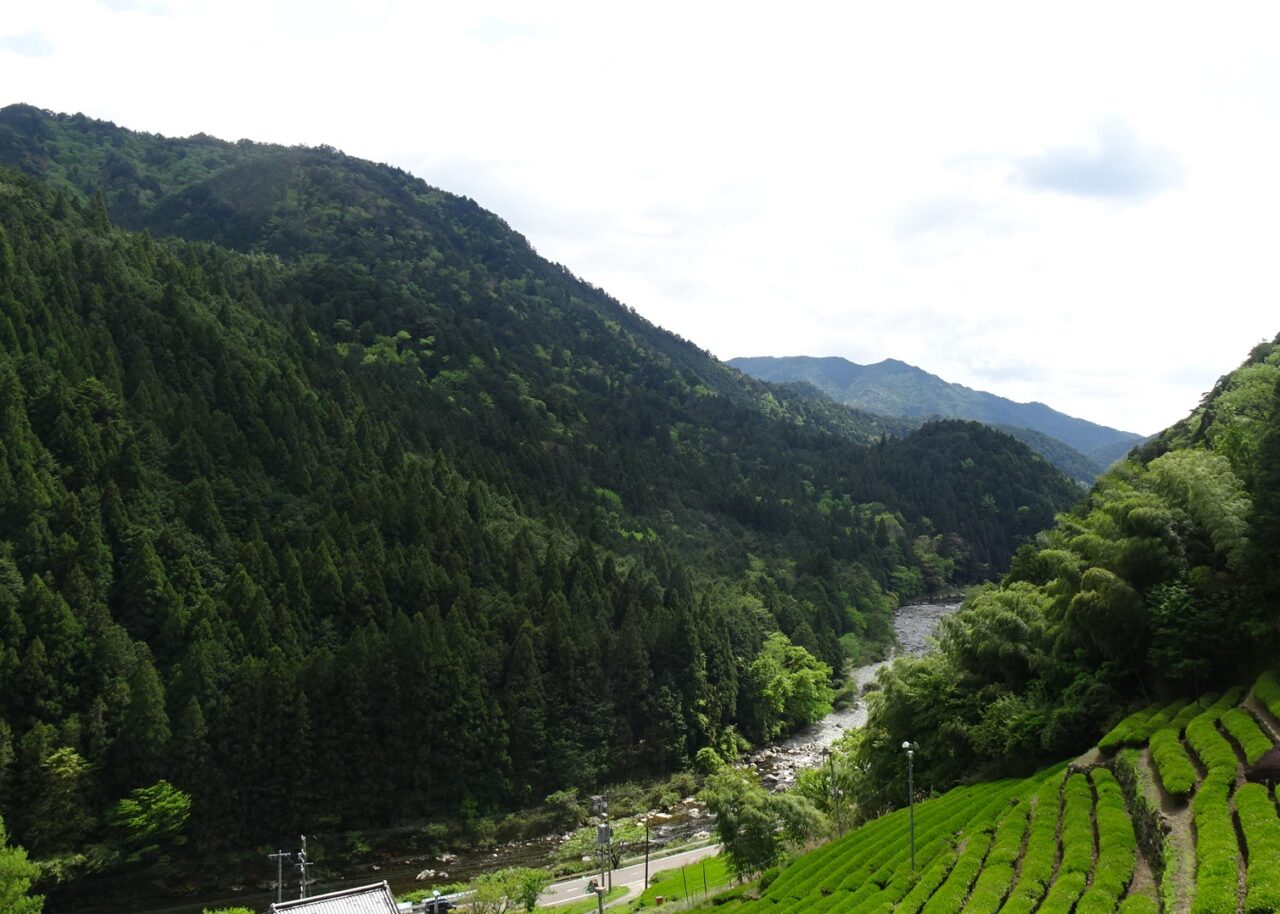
column 1162, row 584
column 326, row 501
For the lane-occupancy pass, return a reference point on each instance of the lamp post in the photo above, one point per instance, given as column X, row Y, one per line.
column 645, row 819
column 910, row 748
column 835, row 791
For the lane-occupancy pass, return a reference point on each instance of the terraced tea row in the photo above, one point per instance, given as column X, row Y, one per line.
column 1064, row 842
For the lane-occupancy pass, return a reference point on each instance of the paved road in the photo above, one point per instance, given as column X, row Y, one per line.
column 632, row 875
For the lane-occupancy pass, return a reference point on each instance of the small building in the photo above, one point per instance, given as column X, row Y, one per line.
column 370, row 899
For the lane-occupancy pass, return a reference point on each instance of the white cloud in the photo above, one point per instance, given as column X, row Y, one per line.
column 859, row 180
column 31, row 44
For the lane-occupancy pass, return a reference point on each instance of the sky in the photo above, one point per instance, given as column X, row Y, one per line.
column 1071, row 203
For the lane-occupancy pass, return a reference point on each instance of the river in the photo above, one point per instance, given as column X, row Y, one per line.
column 777, row 765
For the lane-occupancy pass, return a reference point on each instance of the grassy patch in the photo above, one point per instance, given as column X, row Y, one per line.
column 670, row 884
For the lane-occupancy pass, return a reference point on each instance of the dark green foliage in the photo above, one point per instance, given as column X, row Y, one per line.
column 383, row 482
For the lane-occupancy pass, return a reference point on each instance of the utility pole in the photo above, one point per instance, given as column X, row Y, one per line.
column 278, row 857
column 603, row 841
column 911, row 797
column 303, row 866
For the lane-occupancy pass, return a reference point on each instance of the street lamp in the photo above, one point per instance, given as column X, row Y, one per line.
column 835, row 791
column 910, row 748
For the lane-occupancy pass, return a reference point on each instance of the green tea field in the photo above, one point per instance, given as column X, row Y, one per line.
column 1161, row 817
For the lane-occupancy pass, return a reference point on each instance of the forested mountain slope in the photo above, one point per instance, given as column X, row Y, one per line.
column 351, row 473
column 1164, row 582
column 894, row 388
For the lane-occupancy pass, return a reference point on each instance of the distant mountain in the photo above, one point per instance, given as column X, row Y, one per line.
column 895, row 388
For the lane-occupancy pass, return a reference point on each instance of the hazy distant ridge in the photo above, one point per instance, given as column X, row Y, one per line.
column 895, row 388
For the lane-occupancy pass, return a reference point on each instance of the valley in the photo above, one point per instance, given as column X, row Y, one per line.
column 328, row 506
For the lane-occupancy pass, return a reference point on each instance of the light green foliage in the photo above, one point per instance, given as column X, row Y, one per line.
column 16, row 875
column 229, row 911
column 996, row 876
column 1247, row 734
column 1214, row 751
column 1140, row 735
column 1267, row 691
column 151, row 818
column 951, row 895
column 1064, row 893
column 1175, row 863
column 794, row 686
column 511, row 888
column 1077, row 826
column 870, row 868
column 1117, row 847
column 1217, row 851
column 1041, row 852
column 1138, row 904
column 1204, row 484
column 755, row 825
column 1191, row 711
column 1177, row 774
column 1119, row 735
column 1261, row 829
column 626, row 834
column 1240, row 412
column 670, row 884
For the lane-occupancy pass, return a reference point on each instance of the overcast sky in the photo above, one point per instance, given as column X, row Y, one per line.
column 1072, row 203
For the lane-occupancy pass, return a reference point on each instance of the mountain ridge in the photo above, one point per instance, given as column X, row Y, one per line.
column 895, row 387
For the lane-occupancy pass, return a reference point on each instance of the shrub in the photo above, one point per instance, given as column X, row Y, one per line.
column 1077, row 827
column 1192, row 710
column 1246, row 732
column 1161, row 718
column 1177, row 774
column 1041, row 851
column 1261, row 830
column 1228, row 699
column 1117, row 847
column 1138, row 904
column 1217, row 851
column 1215, row 752
column 951, row 895
column 1267, row 691
column 1117, row 736
column 1066, row 889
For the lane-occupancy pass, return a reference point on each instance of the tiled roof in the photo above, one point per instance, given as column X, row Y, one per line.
column 371, row 899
